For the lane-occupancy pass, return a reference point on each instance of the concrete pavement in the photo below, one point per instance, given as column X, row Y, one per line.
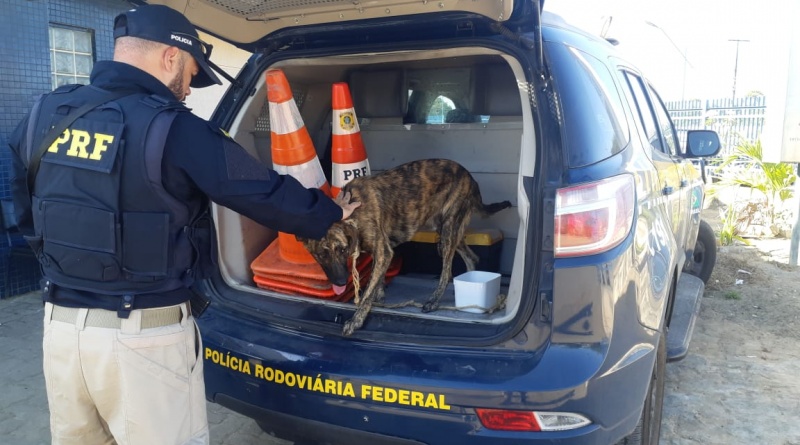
column 24, row 418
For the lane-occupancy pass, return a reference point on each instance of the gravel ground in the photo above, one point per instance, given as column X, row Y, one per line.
column 739, row 383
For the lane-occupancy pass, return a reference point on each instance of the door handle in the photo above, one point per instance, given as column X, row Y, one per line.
column 668, row 190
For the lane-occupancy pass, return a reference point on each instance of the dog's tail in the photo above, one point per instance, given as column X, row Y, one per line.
column 491, row 209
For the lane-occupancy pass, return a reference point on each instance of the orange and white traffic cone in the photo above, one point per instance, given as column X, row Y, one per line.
column 293, row 153
column 348, row 156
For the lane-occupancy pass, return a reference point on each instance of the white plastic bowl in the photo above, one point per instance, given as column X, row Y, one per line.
column 477, row 288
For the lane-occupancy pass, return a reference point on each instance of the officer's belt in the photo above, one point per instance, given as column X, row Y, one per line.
column 101, row 318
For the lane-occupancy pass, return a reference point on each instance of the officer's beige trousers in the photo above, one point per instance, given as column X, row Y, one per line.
column 126, row 386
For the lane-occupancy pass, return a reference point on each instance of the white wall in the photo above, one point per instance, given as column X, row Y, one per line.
column 203, row 101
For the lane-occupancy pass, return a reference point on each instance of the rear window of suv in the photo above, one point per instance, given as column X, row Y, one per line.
column 595, row 127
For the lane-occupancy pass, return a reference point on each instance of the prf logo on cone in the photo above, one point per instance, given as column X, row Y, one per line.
column 347, row 121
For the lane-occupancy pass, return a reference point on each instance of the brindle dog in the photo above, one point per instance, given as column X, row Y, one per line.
column 394, row 206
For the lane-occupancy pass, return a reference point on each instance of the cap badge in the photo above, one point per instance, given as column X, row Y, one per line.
column 181, row 39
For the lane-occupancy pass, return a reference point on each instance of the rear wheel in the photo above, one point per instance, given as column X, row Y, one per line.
column 701, row 264
column 648, row 431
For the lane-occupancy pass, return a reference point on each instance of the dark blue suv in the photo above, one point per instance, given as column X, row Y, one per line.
column 605, row 220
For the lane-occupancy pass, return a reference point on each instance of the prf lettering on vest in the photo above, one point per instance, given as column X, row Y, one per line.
column 350, row 174
column 80, row 141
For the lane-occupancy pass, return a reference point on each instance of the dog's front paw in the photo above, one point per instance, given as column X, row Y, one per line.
column 430, row 306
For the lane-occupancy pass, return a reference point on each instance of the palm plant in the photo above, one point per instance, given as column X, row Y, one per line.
column 773, row 180
column 731, row 228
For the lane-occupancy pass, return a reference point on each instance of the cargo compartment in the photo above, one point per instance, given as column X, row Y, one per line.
column 420, row 255
column 465, row 104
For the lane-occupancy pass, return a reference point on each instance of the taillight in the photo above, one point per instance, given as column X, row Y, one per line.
column 515, row 420
column 508, row 420
column 594, row 217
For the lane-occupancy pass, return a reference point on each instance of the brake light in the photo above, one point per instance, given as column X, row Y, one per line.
column 511, row 420
column 507, row 420
column 594, row 217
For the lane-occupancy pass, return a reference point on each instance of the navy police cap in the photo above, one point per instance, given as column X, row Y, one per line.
column 163, row 24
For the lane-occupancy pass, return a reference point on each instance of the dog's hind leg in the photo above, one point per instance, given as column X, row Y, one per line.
column 470, row 258
column 381, row 258
column 451, row 235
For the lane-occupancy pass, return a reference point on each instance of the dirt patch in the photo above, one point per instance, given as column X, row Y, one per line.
column 739, row 383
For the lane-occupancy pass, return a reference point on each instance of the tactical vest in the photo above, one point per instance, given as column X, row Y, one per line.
column 103, row 220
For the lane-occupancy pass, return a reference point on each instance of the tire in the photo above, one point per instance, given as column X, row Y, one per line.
column 648, row 430
column 704, row 255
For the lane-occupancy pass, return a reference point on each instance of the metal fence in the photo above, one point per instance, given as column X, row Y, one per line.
column 732, row 119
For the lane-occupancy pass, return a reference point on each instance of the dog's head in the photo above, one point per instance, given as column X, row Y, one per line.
column 333, row 251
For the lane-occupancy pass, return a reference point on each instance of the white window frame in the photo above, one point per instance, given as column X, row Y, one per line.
column 76, row 78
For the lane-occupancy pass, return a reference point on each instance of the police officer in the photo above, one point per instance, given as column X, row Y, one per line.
column 115, row 206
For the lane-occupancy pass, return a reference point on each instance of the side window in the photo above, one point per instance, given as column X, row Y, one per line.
column 71, row 55
column 665, row 123
column 595, row 125
column 440, row 96
column 642, row 106
column 442, row 110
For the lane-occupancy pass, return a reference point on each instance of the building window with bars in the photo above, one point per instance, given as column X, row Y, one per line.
column 71, row 55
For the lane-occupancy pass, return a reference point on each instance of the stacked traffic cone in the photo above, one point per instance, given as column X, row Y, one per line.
column 299, row 283
column 348, row 156
column 293, row 154
column 286, row 265
column 302, row 286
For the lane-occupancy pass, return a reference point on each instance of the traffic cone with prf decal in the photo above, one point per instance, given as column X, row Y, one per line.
column 348, row 156
column 293, row 154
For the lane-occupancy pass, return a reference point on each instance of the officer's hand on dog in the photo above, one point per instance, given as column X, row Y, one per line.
column 343, row 199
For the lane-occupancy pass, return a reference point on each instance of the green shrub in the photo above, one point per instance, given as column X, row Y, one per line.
column 745, row 167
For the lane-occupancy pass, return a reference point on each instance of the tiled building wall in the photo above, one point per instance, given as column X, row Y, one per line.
column 24, row 74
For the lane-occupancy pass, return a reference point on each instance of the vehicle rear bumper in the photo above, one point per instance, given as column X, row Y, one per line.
column 297, row 410
column 404, row 429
